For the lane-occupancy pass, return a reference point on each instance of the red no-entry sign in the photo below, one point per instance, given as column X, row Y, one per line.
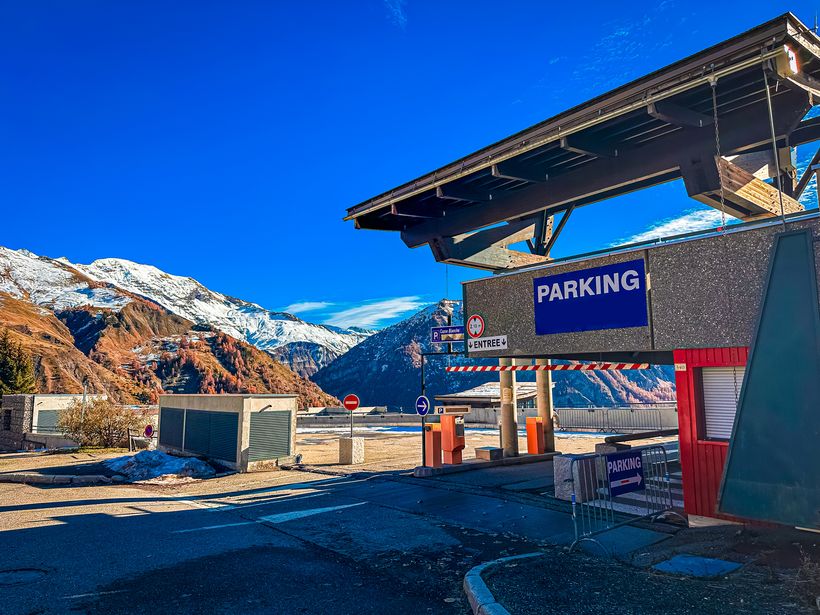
column 351, row 402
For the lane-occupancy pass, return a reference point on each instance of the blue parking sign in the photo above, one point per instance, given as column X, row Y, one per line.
column 625, row 472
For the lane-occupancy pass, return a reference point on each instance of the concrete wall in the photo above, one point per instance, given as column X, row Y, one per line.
column 702, row 293
column 19, row 409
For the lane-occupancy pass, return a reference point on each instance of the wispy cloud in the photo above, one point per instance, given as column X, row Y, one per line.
column 396, row 13
column 693, row 220
column 306, row 306
column 373, row 313
column 617, row 54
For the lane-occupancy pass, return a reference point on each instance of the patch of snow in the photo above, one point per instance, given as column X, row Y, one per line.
column 46, row 282
column 147, row 465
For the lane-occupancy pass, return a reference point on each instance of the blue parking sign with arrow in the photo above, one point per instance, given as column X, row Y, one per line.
column 625, row 471
column 422, row 405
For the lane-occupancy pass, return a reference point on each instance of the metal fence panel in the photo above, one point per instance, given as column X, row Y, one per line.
column 594, row 507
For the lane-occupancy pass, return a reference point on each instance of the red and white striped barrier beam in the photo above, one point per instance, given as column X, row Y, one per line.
column 581, row 367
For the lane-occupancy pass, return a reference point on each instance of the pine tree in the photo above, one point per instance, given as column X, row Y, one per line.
column 24, row 381
column 16, row 369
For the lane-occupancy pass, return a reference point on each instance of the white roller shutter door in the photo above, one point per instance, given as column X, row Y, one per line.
column 721, row 389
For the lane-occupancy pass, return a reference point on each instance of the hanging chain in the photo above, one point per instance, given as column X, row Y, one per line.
column 718, row 160
column 718, row 157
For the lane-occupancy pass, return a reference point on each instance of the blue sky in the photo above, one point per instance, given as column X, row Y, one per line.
column 224, row 140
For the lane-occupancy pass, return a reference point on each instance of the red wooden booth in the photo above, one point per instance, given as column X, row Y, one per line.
column 708, row 382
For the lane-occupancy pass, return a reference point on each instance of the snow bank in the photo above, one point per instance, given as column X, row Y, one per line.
column 146, row 465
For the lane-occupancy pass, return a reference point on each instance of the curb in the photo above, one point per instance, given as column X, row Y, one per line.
column 33, row 478
column 481, row 599
column 427, row 471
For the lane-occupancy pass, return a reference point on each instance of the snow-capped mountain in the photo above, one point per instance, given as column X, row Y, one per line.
column 59, row 284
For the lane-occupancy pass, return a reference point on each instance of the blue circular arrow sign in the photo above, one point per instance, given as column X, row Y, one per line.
column 422, row 405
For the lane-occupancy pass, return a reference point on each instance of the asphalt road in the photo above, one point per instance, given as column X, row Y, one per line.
column 299, row 543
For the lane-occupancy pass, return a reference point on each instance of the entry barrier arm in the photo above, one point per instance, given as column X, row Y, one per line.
column 552, row 368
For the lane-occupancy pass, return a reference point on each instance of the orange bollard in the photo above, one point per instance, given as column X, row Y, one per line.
column 432, row 443
column 535, row 435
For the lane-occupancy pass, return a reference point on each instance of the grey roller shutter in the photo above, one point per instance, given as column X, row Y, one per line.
column 47, row 421
column 222, row 442
column 270, row 435
column 170, row 427
column 721, row 389
column 197, row 431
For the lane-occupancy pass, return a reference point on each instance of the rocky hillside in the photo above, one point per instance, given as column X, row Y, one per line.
column 306, row 347
column 114, row 283
column 385, row 369
column 136, row 352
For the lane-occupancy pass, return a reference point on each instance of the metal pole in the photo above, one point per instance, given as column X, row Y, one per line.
column 85, row 390
column 351, row 423
column 774, row 146
column 423, row 420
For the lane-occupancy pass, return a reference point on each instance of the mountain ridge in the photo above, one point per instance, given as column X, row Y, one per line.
column 112, row 283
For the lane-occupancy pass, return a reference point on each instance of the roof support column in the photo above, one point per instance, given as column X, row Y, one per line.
column 543, row 403
column 509, row 426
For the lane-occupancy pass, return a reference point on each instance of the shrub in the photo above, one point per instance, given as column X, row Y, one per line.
column 100, row 423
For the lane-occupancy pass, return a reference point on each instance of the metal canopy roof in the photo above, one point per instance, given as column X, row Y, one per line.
column 638, row 135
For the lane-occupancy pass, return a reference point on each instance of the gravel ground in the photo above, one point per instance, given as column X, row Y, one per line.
column 780, row 574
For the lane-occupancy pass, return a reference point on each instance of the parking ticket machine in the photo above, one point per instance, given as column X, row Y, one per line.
column 452, row 431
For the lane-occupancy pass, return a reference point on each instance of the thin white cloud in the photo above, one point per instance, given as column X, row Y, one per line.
column 372, row 314
column 695, row 220
column 306, row 306
column 395, row 12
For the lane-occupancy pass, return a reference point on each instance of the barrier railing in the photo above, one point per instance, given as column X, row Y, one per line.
column 616, row 489
column 614, row 419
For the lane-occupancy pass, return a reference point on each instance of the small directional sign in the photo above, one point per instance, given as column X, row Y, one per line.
column 422, row 405
column 625, row 472
column 441, row 335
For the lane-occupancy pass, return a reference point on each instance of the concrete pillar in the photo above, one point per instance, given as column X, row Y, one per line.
column 509, row 426
column 543, row 403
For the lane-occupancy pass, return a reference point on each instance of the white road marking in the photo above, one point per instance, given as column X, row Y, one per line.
column 240, row 505
column 213, row 527
column 280, row 518
column 207, row 505
column 75, row 596
column 298, row 514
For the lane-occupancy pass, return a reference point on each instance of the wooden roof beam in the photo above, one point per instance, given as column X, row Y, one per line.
column 677, row 115
column 515, row 170
column 591, row 147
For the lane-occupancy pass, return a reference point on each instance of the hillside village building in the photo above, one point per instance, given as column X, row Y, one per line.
column 30, row 421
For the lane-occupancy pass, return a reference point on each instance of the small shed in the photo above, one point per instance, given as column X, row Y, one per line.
column 243, row 432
